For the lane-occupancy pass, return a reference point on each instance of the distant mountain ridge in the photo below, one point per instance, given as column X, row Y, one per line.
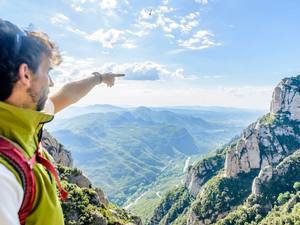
column 246, row 181
column 122, row 151
column 212, row 113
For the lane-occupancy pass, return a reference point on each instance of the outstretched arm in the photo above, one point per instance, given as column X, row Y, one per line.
column 74, row 91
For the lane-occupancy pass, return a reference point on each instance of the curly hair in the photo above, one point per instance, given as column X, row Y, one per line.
column 18, row 47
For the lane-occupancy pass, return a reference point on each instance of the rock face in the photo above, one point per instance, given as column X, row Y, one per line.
column 273, row 137
column 81, row 180
column 192, row 218
column 286, row 98
column 197, row 175
column 280, row 177
column 57, row 150
column 101, row 196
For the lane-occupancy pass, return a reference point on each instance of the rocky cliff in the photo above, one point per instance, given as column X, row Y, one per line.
column 199, row 174
column 286, row 99
column 242, row 183
column 279, row 178
column 273, row 137
column 59, row 153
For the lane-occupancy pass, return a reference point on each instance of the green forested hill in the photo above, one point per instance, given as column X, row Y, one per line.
column 125, row 150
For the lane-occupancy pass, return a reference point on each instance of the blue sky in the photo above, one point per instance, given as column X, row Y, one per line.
column 174, row 52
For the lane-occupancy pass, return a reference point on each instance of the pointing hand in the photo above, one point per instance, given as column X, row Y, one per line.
column 108, row 78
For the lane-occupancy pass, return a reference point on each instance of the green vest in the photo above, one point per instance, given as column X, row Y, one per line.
column 23, row 127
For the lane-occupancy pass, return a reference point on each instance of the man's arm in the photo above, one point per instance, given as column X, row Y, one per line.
column 74, row 91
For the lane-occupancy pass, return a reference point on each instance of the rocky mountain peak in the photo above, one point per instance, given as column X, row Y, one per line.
column 286, row 98
column 273, row 137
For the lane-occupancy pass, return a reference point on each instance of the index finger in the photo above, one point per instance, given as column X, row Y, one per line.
column 118, row 75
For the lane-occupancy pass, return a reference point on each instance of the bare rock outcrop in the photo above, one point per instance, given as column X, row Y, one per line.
column 81, row 180
column 286, row 98
column 199, row 174
column 280, row 177
column 59, row 153
column 273, row 137
column 101, row 196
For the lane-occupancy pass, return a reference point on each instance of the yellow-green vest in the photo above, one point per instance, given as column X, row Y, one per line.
column 24, row 127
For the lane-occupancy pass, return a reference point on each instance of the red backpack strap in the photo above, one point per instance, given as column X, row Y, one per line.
column 49, row 166
column 14, row 156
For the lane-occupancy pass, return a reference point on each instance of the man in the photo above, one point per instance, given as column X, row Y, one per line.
column 25, row 61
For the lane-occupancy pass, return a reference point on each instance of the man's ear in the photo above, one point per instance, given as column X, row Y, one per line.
column 25, row 75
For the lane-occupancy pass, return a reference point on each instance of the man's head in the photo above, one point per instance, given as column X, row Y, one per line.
column 25, row 61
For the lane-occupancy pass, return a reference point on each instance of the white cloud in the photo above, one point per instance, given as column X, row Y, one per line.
column 145, row 14
column 164, row 18
column 201, row 40
column 203, row 2
column 67, row 72
column 170, row 36
column 146, row 70
column 106, row 38
column 129, row 45
column 107, row 7
column 59, row 19
column 140, row 33
column 77, row 8
column 108, row 4
column 179, row 73
column 164, row 2
column 75, row 30
column 137, row 71
column 164, row 9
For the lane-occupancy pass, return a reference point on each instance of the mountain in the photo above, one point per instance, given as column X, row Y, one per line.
column 125, row 151
column 85, row 204
column 212, row 114
column 254, row 179
column 78, row 111
column 223, row 115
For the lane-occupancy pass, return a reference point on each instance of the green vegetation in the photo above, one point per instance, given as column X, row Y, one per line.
column 281, row 183
column 124, row 152
column 275, row 197
column 181, row 219
column 165, row 182
column 243, row 215
column 269, row 118
column 229, row 201
column 171, row 206
column 221, row 194
column 84, row 207
column 288, row 213
column 295, row 81
column 211, row 166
